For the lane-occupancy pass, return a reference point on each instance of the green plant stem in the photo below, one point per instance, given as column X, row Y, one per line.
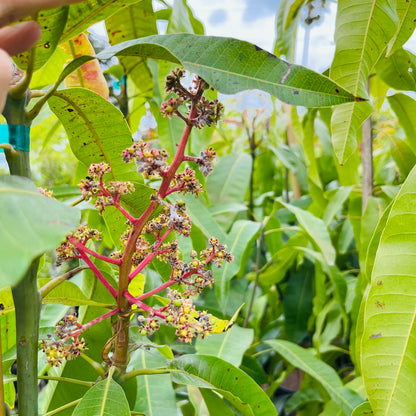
column 148, row 372
column 45, row 290
column 27, row 307
column 94, row 364
column 256, row 280
column 67, row 380
column 64, row 407
column 122, row 326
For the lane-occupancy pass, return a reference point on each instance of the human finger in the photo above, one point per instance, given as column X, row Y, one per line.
column 6, row 73
column 19, row 38
column 13, row 10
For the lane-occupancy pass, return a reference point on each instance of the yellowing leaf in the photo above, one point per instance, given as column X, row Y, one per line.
column 223, row 325
column 88, row 75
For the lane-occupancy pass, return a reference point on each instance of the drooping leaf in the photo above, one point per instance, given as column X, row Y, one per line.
column 404, row 107
column 238, row 66
column 319, row 370
column 406, row 11
column 388, row 346
column 236, row 386
column 403, row 155
column 30, row 224
column 105, row 398
column 238, row 241
column 215, row 404
column 316, row 230
column 371, row 24
column 229, row 346
column 52, row 23
column 88, row 75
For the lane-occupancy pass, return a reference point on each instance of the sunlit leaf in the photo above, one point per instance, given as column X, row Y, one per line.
column 238, row 66
column 388, row 346
column 371, row 24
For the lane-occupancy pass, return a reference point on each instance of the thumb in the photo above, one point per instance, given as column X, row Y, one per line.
column 6, row 73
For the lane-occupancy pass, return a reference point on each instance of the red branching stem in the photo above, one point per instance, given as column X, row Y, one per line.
column 132, row 300
column 152, row 292
column 149, row 257
column 93, row 267
column 180, row 115
column 124, row 212
column 84, row 327
column 81, row 247
column 176, row 189
column 189, row 159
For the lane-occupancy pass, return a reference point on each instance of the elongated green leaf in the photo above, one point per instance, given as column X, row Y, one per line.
column 238, row 241
column 322, row 372
column 229, row 346
column 371, row 24
column 52, row 23
column 82, row 15
column 106, row 398
column 236, row 386
column 403, row 155
column 404, row 107
column 336, row 203
column 230, row 179
column 388, row 346
column 30, row 224
column 237, row 66
column 155, row 394
column 406, row 11
column 316, row 230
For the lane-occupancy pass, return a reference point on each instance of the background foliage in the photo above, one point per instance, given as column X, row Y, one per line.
column 316, row 207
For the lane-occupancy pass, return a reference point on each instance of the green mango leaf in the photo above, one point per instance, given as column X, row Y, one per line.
column 406, row 11
column 30, row 224
column 336, row 203
column 353, row 62
column 82, row 15
column 316, row 230
column 404, row 107
column 155, row 394
column 182, row 20
column 298, row 304
column 320, row 371
column 105, row 398
column 238, row 65
column 230, row 179
column 402, row 154
column 97, row 130
column 238, row 241
column 52, row 23
column 397, row 71
column 388, row 346
column 229, row 346
column 236, row 386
